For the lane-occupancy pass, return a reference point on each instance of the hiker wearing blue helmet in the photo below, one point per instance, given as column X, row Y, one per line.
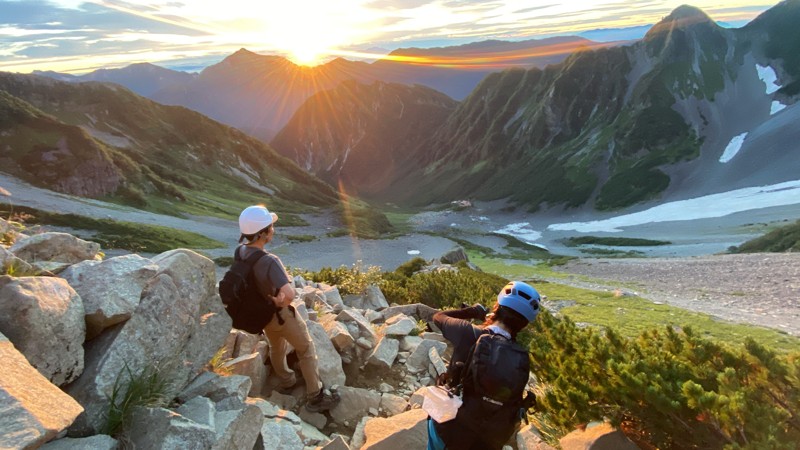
column 489, row 368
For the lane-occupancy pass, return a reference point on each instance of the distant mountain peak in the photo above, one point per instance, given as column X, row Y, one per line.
column 684, row 17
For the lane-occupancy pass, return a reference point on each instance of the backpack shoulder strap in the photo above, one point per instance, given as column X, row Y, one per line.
column 251, row 260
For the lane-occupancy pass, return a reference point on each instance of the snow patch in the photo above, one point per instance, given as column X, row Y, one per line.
column 521, row 231
column 769, row 77
column 413, row 252
column 715, row 205
column 776, row 107
column 733, row 148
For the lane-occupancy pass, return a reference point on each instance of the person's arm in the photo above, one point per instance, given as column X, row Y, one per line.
column 455, row 323
column 285, row 296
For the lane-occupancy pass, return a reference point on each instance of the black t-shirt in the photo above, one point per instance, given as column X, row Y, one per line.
column 269, row 271
column 462, row 334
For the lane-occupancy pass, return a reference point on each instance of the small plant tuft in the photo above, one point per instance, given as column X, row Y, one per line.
column 147, row 388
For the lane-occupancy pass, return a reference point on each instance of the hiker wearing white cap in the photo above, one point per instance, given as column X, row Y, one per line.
column 256, row 225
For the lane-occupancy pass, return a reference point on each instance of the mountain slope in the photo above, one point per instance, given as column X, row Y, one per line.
column 258, row 93
column 101, row 140
column 358, row 135
column 611, row 127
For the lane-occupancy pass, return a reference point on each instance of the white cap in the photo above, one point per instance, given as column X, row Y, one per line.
column 255, row 218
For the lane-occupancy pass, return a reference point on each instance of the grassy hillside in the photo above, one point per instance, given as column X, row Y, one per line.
column 783, row 239
column 103, row 141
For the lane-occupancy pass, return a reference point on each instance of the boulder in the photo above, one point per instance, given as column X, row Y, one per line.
column 408, row 430
column 597, row 436
column 328, row 360
column 354, row 404
column 332, row 296
column 177, row 327
column 419, row 359
column 436, row 360
column 200, row 410
column 409, row 343
column 339, row 335
column 165, row 429
column 110, row 289
column 393, row 404
column 374, row 299
column 217, row 388
column 399, row 325
column 365, row 329
column 454, row 256
column 52, row 246
column 337, row 443
column 406, row 310
column 34, row 411
column 384, row 353
column 238, row 428
column 277, row 434
column 373, row 316
column 529, row 438
column 251, row 366
column 96, row 442
column 358, row 439
column 244, row 344
column 43, row 317
column 12, row 265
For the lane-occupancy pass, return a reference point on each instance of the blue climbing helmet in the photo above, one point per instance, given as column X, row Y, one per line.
column 521, row 297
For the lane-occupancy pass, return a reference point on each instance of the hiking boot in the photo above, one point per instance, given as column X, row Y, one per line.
column 289, row 390
column 322, row 401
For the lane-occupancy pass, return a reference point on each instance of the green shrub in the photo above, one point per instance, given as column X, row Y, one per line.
column 351, row 280
column 300, row 237
column 783, row 239
column 612, row 241
column 146, row 388
column 408, row 268
column 675, row 389
column 224, row 261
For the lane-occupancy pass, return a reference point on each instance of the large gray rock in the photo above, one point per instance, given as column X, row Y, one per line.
column 528, row 438
column 365, row 329
column 43, row 317
column 328, row 360
column 337, row 443
column 399, row 325
column 251, row 366
column 217, row 388
column 385, row 352
column 408, row 430
column 419, row 359
column 110, row 289
column 96, row 442
column 238, row 429
column 12, row 265
column 374, row 299
column 166, row 430
column 33, row 409
column 393, row 405
column 177, row 327
column 355, row 403
column 455, row 255
column 332, row 295
column 52, row 246
column 339, row 335
column 597, row 436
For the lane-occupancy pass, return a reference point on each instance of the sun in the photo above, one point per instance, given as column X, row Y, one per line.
column 307, row 31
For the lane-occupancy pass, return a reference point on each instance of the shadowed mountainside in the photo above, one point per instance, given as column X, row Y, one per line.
column 101, row 140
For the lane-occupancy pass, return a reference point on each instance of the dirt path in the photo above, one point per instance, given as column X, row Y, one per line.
column 759, row 288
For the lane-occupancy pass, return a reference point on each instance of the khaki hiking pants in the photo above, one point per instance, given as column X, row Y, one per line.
column 295, row 332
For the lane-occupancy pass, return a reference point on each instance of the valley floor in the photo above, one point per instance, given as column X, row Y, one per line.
column 761, row 289
column 757, row 288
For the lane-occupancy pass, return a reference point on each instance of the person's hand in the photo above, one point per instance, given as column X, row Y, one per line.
column 280, row 300
column 481, row 311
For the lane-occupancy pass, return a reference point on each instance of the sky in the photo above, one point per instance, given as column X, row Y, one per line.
column 77, row 36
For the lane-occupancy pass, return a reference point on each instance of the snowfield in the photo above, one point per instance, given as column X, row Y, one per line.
column 733, row 148
column 769, row 77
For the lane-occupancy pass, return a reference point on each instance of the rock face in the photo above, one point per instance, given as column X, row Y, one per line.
column 328, row 360
column 177, row 327
column 33, row 409
column 44, row 318
column 403, row 431
column 110, row 289
column 58, row 247
column 454, row 256
column 597, row 436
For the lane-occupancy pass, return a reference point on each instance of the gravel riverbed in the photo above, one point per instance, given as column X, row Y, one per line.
column 758, row 288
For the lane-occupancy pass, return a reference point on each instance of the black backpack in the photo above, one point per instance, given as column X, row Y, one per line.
column 493, row 382
column 250, row 310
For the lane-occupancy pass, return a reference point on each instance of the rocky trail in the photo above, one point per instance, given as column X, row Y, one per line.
column 760, row 288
